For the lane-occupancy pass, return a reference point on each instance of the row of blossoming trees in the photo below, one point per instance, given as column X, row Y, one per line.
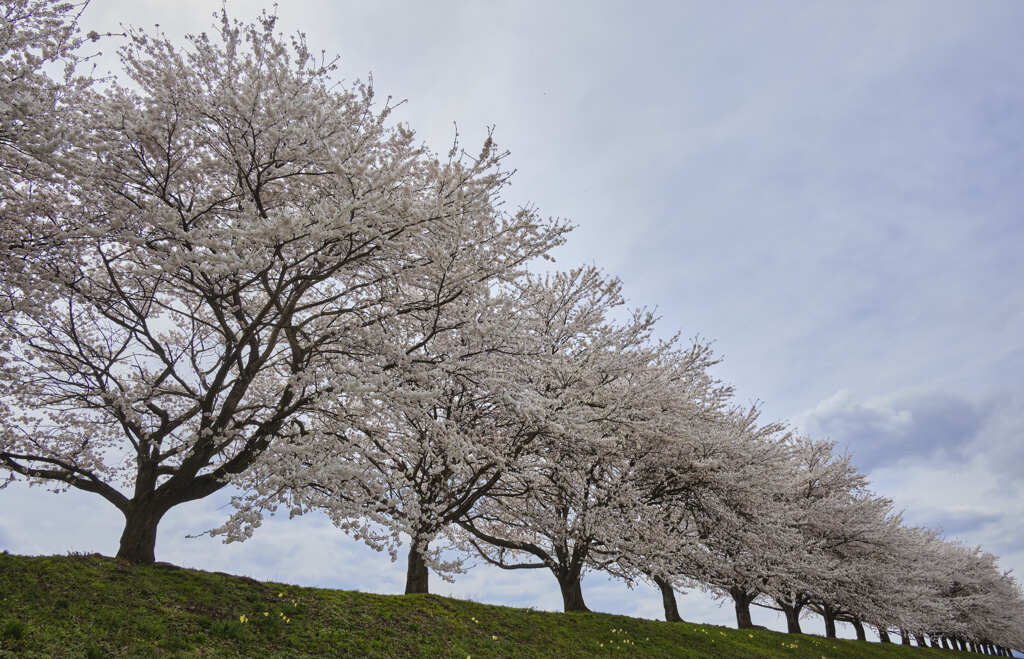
column 222, row 268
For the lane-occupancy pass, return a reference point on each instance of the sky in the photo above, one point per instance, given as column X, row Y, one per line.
column 830, row 192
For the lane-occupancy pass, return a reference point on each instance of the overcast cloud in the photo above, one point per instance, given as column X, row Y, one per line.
column 830, row 191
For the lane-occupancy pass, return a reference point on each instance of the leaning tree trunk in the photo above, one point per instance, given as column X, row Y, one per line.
column 138, row 539
column 572, row 594
column 904, row 637
column 920, row 641
column 668, row 598
column 792, row 618
column 742, row 601
column 830, row 621
column 416, row 575
column 858, row 627
column 883, row 635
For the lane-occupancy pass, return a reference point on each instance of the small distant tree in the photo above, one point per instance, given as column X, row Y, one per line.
column 233, row 235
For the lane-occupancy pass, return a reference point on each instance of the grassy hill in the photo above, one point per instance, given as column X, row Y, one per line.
column 93, row 606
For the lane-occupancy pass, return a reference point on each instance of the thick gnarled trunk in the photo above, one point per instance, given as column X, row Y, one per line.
column 668, row 599
column 742, row 601
column 572, row 593
column 792, row 618
column 830, row 621
column 883, row 635
column 138, row 539
column 416, row 574
column 904, row 637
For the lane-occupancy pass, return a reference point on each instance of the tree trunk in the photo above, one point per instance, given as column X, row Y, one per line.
column 572, row 594
column 883, row 635
column 830, row 621
column 946, row 643
column 858, row 627
column 904, row 637
column 742, row 602
column 138, row 539
column 792, row 619
column 416, row 575
column 920, row 641
column 668, row 598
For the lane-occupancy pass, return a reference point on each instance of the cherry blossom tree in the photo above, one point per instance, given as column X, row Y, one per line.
column 707, row 503
column 859, row 556
column 416, row 453
column 823, row 486
column 230, row 259
column 574, row 505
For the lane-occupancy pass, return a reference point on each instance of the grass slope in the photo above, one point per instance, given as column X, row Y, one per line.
column 93, row 606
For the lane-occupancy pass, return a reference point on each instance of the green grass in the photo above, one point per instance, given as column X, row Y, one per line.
column 93, row 606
